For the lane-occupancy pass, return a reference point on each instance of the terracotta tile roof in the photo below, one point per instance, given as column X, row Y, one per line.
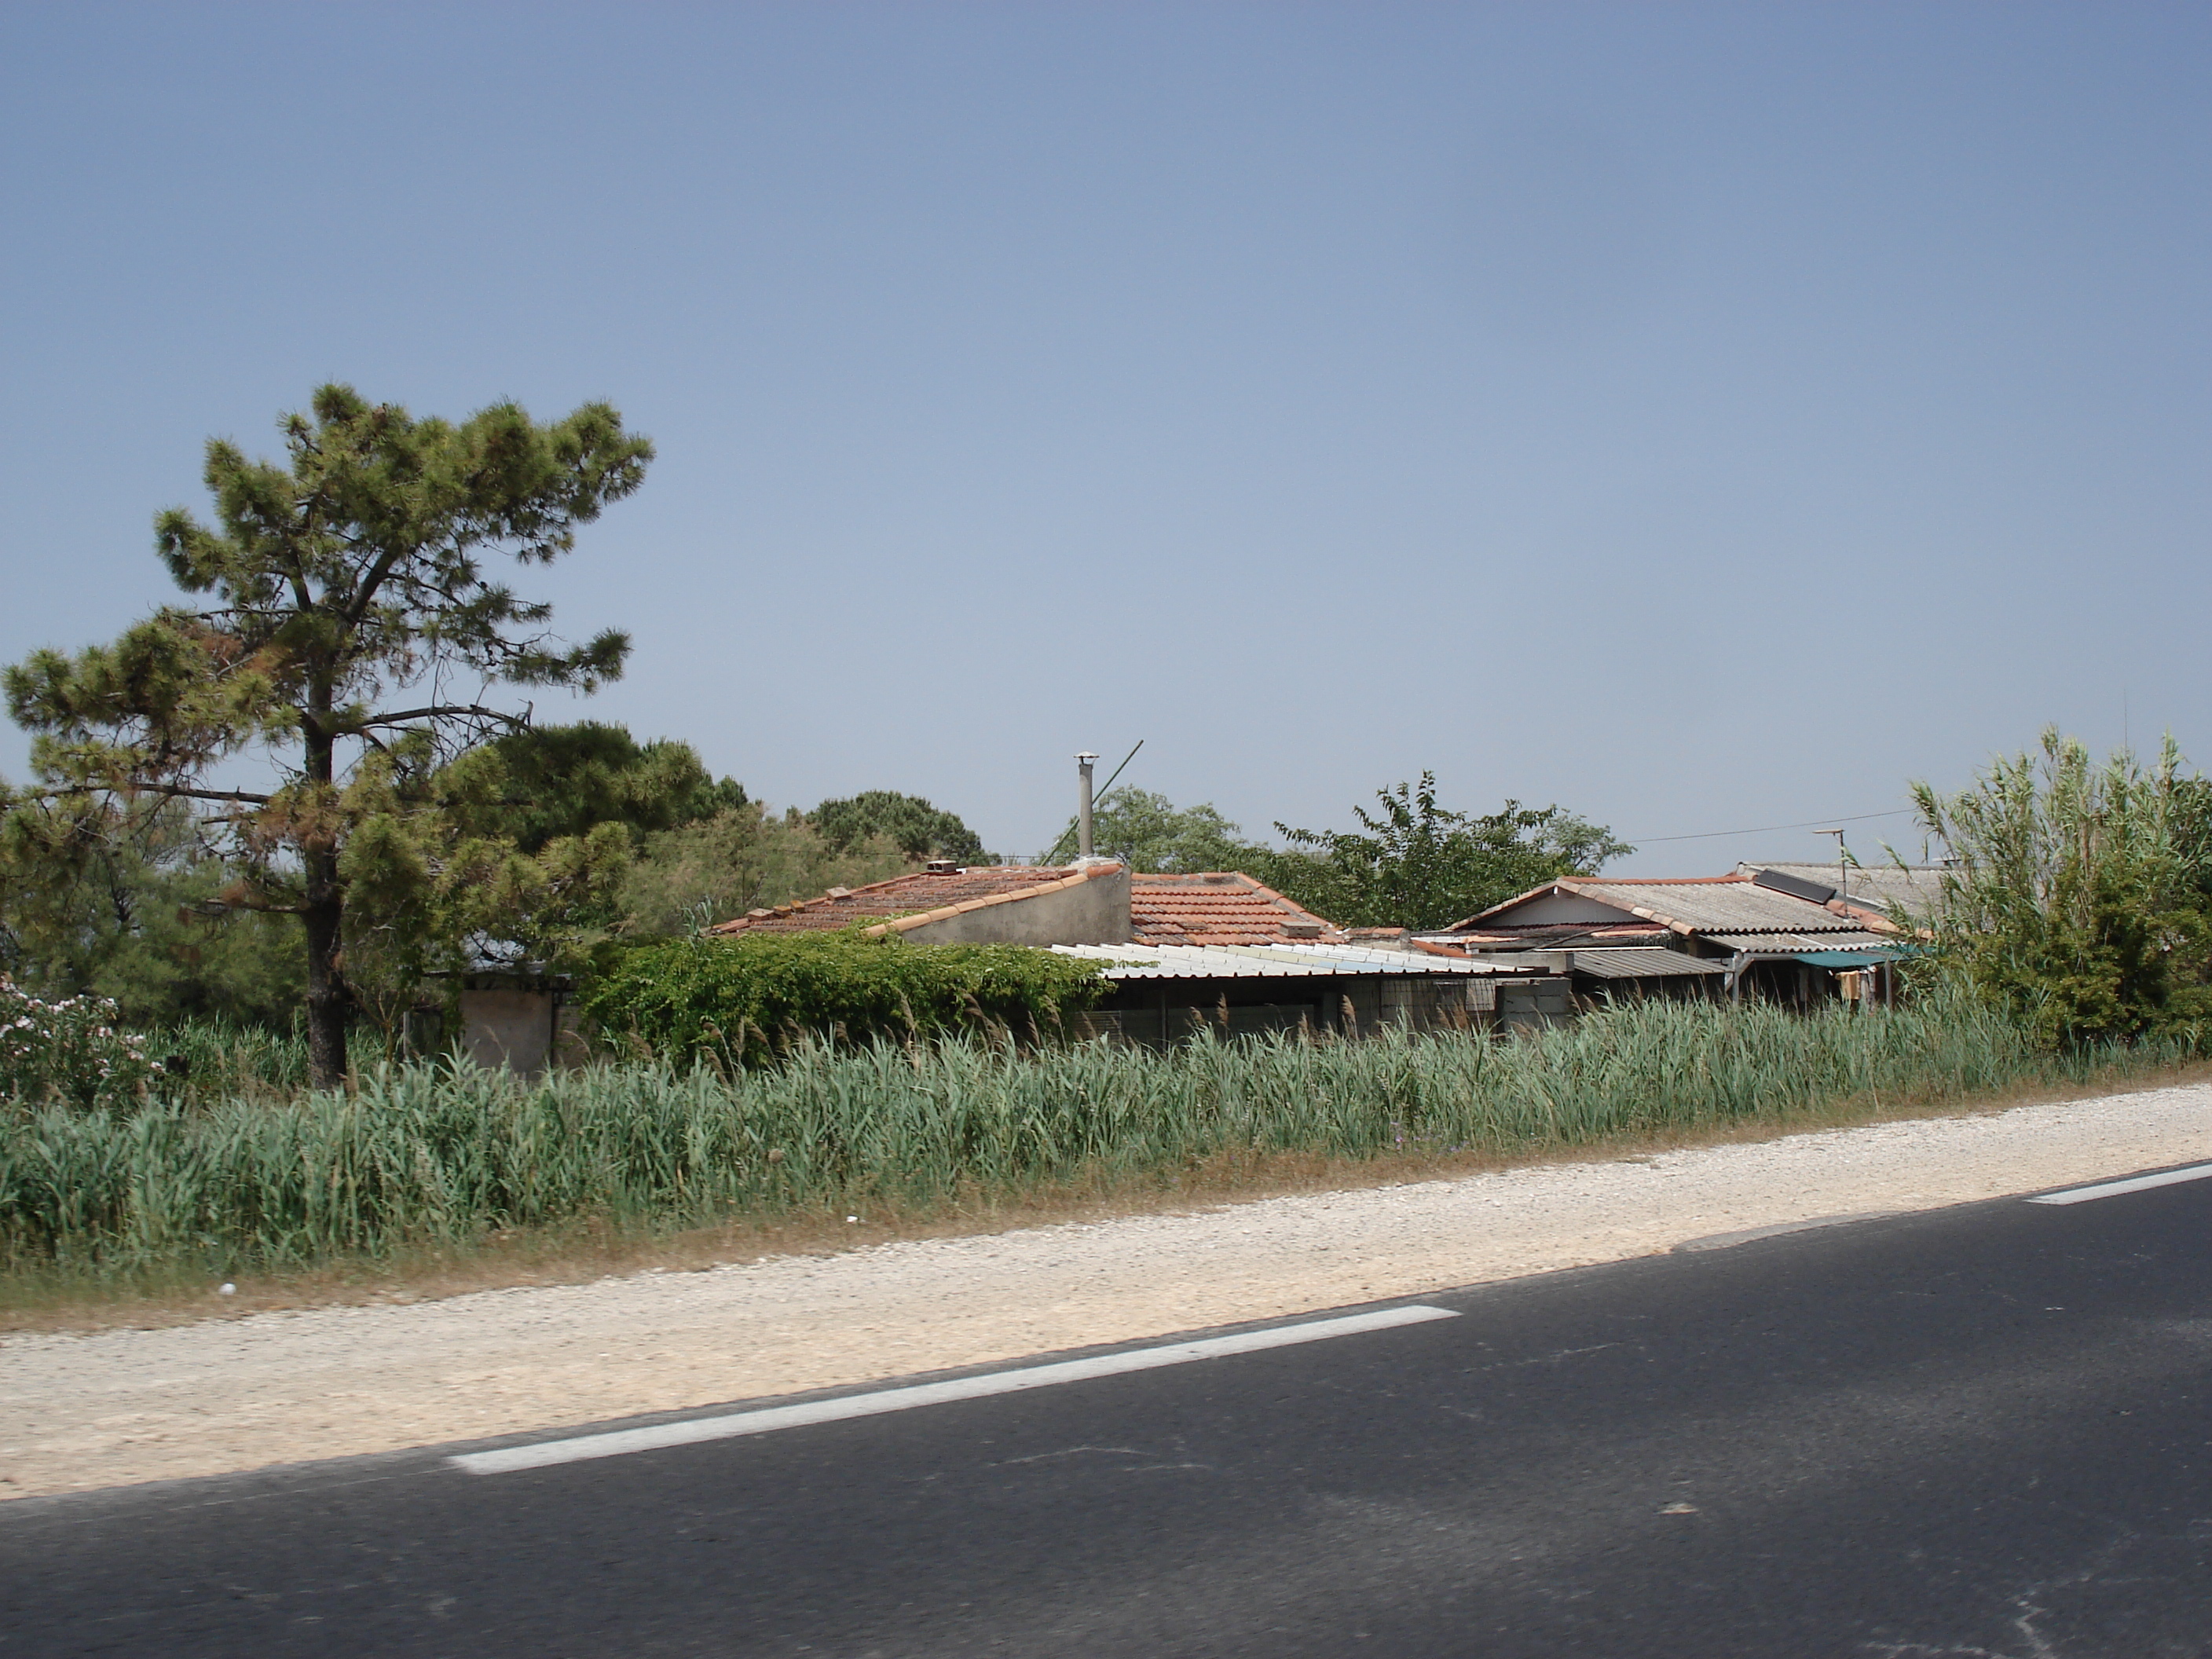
column 1218, row 907
column 912, row 899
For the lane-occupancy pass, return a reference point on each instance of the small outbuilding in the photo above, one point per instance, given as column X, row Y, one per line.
column 520, row 1018
column 1163, row 993
column 1773, row 934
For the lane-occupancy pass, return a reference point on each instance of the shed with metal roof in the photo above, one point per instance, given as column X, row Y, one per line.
column 1163, row 993
column 1767, row 929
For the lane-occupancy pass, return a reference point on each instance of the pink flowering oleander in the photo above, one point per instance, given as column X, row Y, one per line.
column 71, row 1051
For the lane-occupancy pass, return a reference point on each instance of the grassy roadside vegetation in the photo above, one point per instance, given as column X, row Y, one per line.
column 439, row 1166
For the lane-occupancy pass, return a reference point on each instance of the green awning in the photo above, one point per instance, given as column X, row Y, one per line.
column 1848, row 959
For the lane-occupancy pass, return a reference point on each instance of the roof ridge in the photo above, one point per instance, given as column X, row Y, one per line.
column 1262, row 887
column 1655, row 881
column 1252, row 885
column 903, row 924
column 837, row 898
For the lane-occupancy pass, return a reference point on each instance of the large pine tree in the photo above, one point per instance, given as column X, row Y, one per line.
column 347, row 603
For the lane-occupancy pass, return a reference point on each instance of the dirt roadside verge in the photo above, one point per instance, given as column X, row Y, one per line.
column 116, row 1406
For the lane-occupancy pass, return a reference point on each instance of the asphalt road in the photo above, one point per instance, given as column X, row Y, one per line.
column 1984, row 1430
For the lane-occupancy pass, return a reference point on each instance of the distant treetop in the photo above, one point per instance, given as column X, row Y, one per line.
column 919, row 830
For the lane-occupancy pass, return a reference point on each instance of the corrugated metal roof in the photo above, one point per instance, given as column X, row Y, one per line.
column 1918, row 887
column 1643, row 962
column 1404, row 962
column 1705, row 906
column 1274, row 961
column 1551, row 936
column 1791, row 944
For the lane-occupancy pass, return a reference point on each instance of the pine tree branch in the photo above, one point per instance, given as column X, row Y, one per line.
column 169, row 791
column 369, row 583
column 447, row 711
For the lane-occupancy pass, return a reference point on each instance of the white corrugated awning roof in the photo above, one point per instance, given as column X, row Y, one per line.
column 1643, row 962
column 1788, row 945
column 1277, row 960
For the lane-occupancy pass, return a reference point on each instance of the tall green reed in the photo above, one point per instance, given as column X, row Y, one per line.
column 211, row 1058
column 442, row 1153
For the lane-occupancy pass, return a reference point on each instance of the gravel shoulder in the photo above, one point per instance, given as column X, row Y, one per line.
column 118, row 1406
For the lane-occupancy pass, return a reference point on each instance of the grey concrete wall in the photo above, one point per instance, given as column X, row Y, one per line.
column 1534, row 1004
column 513, row 1029
column 1097, row 913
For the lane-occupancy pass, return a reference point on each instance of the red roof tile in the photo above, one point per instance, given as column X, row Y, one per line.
column 1219, row 908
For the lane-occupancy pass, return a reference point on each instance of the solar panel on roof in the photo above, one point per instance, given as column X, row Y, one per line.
column 1796, row 886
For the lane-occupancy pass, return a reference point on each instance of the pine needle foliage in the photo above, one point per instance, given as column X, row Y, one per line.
column 338, row 596
column 910, row 823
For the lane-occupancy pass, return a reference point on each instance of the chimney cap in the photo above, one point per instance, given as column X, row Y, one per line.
column 943, row 867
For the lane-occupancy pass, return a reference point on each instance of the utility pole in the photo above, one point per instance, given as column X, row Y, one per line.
column 1843, row 872
column 1844, row 893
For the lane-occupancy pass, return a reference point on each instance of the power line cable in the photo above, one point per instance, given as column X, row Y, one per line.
column 1710, row 834
column 1769, row 829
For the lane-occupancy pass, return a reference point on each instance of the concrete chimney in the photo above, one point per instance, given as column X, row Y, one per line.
column 1085, row 848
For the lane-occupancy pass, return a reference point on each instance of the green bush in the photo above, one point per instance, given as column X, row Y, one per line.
column 752, row 997
column 2079, row 895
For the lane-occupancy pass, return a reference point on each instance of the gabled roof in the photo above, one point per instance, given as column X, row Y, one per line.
column 1218, row 907
column 1714, row 905
column 909, row 901
column 1631, row 932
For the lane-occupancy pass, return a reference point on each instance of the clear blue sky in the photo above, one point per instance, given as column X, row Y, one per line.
column 1704, row 417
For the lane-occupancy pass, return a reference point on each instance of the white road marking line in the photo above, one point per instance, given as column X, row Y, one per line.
column 618, row 1442
column 2133, row 1184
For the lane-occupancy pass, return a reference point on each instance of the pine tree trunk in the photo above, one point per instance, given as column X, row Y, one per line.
column 328, row 1002
column 326, row 991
